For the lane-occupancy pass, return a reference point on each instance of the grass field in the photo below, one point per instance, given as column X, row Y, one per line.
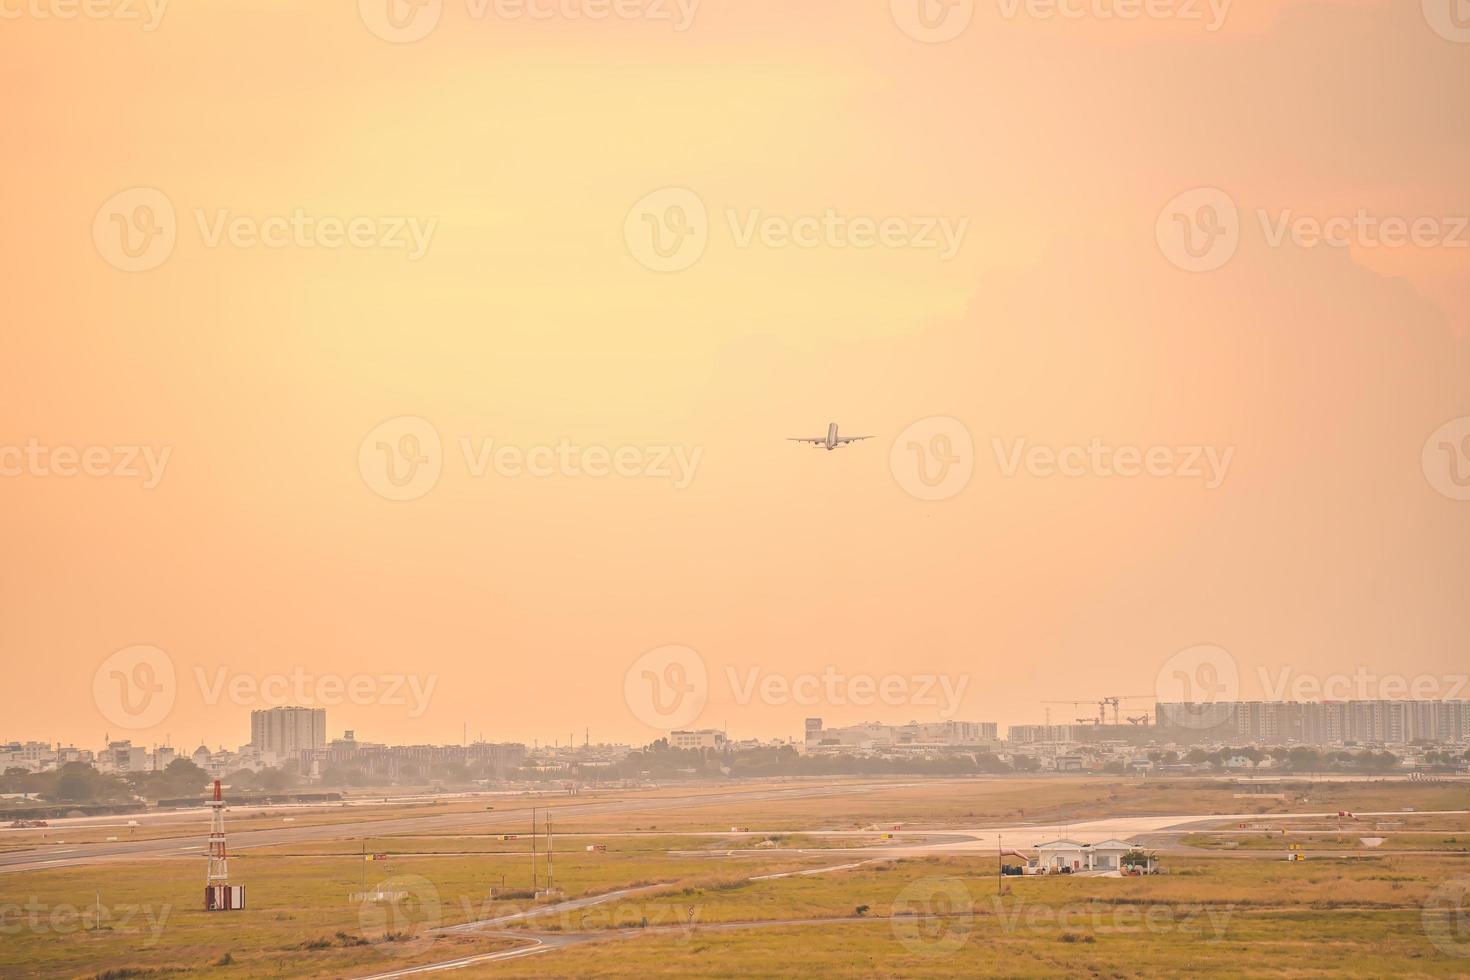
column 298, row 905
column 302, row 923
column 703, row 901
column 1373, row 944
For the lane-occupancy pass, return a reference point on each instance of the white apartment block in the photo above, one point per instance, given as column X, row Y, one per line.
column 287, row 732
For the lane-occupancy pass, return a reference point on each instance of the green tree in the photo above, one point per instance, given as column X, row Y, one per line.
column 78, row 782
column 275, row 780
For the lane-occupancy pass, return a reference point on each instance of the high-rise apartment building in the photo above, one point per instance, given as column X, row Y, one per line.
column 286, row 732
column 1320, row 723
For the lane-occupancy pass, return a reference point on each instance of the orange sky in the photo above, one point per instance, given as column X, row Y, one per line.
column 526, row 312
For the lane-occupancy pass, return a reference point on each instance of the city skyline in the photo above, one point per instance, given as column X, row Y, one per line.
column 1217, row 718
column 143, row 690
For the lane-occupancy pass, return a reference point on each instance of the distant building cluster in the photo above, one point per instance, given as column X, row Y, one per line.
column 1409, row 730
column 1042, row 734
column 122, row 756
column 394, row 761
column 1318, row 723
column 914, row 735
column 295, row 738
column 279, row 737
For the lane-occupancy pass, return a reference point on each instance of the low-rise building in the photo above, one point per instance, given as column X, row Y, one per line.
column 705, row 738
column 1074, row 857
column 34, row 756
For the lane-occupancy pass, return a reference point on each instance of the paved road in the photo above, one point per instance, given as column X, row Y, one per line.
column 557, row 908
column 543, row 943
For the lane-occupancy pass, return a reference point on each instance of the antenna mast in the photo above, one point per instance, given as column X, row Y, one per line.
column 219, row 865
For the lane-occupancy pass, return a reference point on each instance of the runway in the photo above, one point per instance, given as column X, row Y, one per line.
column 77, row 855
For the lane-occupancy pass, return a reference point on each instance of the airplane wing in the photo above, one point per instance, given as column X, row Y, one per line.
column 814, row 442
column 844, row 440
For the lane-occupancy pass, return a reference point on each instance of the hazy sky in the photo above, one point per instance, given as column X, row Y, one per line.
column 243, row 247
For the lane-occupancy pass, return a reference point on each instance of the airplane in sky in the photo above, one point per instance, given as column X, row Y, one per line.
column 831, row 440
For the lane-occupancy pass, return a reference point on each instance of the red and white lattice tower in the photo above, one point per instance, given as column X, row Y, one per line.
column 219, row 866
column 219, row 894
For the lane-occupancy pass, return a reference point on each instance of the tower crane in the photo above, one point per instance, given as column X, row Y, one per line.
column 1113, row 701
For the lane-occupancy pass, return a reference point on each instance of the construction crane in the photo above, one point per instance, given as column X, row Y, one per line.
column 1113, row 701
column 1080, row 721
